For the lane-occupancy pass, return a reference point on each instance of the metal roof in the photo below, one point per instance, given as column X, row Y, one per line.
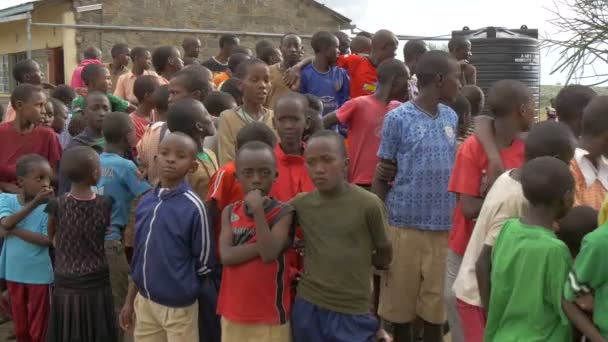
column 336, row 14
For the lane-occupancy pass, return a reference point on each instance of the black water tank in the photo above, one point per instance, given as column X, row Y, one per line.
column 500, row 53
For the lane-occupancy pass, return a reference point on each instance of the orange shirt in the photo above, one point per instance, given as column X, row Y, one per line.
column 362, row 74
column 140, row 124
column 293, row 176
column 125, row 83
column 220, row 78
column 224, row 188
column 587, row 192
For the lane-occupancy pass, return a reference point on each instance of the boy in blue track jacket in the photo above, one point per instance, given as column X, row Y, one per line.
column 173, row 250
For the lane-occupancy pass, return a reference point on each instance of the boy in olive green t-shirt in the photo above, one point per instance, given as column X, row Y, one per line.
column 344, row 230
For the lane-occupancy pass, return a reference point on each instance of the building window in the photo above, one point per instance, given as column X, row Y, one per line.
column 5, row 75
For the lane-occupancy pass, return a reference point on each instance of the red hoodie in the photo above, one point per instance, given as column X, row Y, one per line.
column 77, row 81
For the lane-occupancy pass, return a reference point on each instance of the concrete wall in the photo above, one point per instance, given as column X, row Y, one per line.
column 276, row 16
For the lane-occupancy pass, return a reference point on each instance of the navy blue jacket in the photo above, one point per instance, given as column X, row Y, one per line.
column 174, row 246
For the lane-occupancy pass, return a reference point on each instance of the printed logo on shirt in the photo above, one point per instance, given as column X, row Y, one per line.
column 369, row 87
column 234, row 217
column 449, row 133
column 242, row 235
column 338, row 86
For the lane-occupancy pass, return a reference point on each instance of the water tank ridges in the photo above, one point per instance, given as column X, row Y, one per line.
column 500, row 53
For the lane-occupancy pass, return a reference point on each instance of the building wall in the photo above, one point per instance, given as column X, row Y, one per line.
column 275, row 16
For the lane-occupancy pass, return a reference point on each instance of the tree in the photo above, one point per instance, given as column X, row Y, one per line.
column 583, row 24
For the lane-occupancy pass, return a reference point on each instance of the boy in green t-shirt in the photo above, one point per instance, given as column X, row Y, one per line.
column 588, row 279
column 530, row 264
column 97, row 78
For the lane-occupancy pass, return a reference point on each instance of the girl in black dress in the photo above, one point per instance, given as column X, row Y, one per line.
column 82, row 309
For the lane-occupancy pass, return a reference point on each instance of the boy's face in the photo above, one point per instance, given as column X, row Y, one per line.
column 449, row 84
column 176, row 60
column 34, row 76
column 326, row 164
column 193, row 49
column 61, row 115
column 292, row 51
column 231, row 45
column 32, row 109
column 463, row 53
column 178, row 91
column 37, row 179
column 315, row 122
column 256, row 170
column 123, row 57
column 527, row 115
column 204, row 124
column 276, row 57
column 176, row 157
column 144, row 61
column 97, row 106
column 103, row 81
column 46, row 117
column 256, row 84
column 332, row 52
column 290, row 121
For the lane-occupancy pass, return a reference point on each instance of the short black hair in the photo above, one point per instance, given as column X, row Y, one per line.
column 228, row 39
column 360, row 44
column 137, row 52
column 289, row 34
column 160, row 97
column 193, row 79
column 328, row 134
column 321, row 40
column 507, row 96
column 572, row 100
column 119, row 48
column 242, row 49
column 92, row 71
column 431, row 64
column 26, row 162
column 116, row 126
column 160, row 57
column 458, row 42
column 57, row 104
column 91, row 53
column 314, row 102
column 595, row 117
column 184, row 114
column 413, row 48
column 23, row 68
column 545, row 180
column 293, row 96
column 235, row 60
column 549, row 138
column 579, row 222
column 266, row 54
column 475, row 96
column 78, row 163
column 218, row 101
column 145, row 84
column 461, row 106
column 23, row 92
column 94, row 94
column 231, row 86
column 255, row 146
column 391, row 69
column 256, row 131
column 365, row 34
column 243, row 68
column 64, row 93
column 260, row 45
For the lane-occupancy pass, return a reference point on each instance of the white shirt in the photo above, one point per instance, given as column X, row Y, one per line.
column 504, row 201
column 589, row 171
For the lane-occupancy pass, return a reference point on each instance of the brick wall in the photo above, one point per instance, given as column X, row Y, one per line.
column 276, row 16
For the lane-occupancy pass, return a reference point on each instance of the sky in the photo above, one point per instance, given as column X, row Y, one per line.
column 440, row 17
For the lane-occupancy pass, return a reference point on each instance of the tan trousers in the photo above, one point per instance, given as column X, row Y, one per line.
column 236, row 332
column 159, row 323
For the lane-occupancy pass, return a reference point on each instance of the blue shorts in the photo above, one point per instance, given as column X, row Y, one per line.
column 312, row 323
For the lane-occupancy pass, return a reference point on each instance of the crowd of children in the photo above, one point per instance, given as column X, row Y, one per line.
column 205, row 201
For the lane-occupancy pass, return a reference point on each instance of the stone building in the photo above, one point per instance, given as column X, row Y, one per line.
column 58, row 48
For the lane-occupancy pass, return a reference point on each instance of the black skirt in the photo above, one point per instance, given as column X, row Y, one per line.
column 82, row 310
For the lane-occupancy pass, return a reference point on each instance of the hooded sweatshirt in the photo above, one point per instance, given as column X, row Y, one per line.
column 77, row 81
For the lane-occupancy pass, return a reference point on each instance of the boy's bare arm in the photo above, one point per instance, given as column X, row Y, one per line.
column 10, row 222
column 471, row 206
column 384, row 172
column 270, row 243
column 330, row 119
column 128, row 311
column 382, row 256
column 581, row 321
column 484, row 131
column 31, row 237
column 230, row 254
column 483, row 269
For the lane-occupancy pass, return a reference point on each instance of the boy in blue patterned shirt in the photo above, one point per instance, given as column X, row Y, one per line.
column 323, row 78
column 419, row 138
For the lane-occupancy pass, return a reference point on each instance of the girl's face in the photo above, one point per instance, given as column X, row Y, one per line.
column 59, row 118
column 46, row 116
column 256, row 84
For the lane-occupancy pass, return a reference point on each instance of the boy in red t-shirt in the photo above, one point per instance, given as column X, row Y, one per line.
column 255, row 300
column 224, row 189
column 290, row 121
column 511, row 104
column 364, row 117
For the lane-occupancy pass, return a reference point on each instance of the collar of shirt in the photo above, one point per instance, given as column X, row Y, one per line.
column 589, row 171
column 247, row 118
